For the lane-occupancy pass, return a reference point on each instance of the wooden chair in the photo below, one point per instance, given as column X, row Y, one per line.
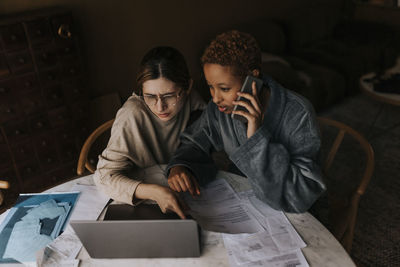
column 343, row 196
column 3, row 185
column 83, row 156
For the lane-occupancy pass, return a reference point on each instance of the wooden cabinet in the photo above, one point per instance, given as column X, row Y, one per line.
column 43, row 100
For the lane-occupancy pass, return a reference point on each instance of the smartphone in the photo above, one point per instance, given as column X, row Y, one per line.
column 246, row 88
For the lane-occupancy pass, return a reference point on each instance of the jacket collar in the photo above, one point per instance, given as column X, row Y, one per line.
column 276, row 104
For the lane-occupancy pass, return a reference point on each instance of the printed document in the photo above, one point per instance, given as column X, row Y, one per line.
column 219, row 209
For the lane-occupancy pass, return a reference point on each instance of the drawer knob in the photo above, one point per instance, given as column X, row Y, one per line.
column 13, row 37
column 28, row 84
column 64, row 31
column 21, row 60
column 2, row 90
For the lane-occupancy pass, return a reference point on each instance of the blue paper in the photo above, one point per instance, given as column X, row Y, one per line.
column 35, row 221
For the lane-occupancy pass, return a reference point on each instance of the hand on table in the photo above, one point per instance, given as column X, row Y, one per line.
column 180, row 179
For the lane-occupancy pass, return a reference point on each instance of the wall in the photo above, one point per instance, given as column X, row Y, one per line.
column 116, row 34
column 383, row 14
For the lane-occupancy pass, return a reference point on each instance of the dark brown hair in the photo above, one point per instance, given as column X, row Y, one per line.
column 166, row 62
column 236, row 49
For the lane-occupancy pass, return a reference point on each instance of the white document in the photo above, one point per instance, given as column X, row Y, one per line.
column 218, row 209
column 61, row 252
column 275, row 222
column 90, row 204
column 293, row 258
column 279, row 238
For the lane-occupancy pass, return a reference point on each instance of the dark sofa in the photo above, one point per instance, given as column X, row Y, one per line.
column 323, row 55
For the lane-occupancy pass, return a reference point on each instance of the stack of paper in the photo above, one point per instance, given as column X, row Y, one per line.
column 35, row 221
column 254, row 234
column 64, row 249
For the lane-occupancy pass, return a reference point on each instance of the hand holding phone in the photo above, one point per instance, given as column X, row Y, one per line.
column 248, row 107
column 246, row 88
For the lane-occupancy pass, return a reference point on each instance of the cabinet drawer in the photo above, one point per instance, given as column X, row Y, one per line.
column 5, row 157
column 9, row 109
column 27, row 82
column 13, row 36
column 54, row 96
column 45, row 142
column 48, row 159
column 67, row 151
column 39, row 31
column 74, row 91
column 65, row 135
column 63, row 173
column 2, row 139
column 80, row 110
column 33, row 184
column 4, row 70
column 46, row 57
column 20, row 62
column 59, row 117
column 28, row 169
column 50, row 77
column 82, row 132
column 71, row 70
column 38, row 123
column 7, row 88
column 67, row 51
column 31, row 102
column 16, row 130
column 23, row 151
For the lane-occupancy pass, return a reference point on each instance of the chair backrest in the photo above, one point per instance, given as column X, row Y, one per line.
column 83, row 161
column 3, row 185
column 342, row 204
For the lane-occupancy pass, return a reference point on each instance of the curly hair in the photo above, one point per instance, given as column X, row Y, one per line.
column 236, row 49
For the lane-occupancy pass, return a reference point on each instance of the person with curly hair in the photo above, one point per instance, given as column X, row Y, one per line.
column 276, row 147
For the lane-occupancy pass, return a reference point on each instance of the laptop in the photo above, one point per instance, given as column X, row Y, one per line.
column 139, row 232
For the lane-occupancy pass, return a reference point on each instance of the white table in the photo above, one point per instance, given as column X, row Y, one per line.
column 322, row 248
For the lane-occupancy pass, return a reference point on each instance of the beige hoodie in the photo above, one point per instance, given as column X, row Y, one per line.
column 139, row 139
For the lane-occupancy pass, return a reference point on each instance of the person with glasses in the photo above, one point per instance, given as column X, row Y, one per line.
column 275, row 144
column 146, row 130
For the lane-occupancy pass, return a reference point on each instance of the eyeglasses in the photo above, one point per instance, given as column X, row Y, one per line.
column 167, row 99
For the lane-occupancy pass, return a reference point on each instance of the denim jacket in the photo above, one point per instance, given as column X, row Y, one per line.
column 280, row 159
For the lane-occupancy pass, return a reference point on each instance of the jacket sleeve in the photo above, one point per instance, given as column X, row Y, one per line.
column 284, row 173
column 196, row 144
column 117, row 159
